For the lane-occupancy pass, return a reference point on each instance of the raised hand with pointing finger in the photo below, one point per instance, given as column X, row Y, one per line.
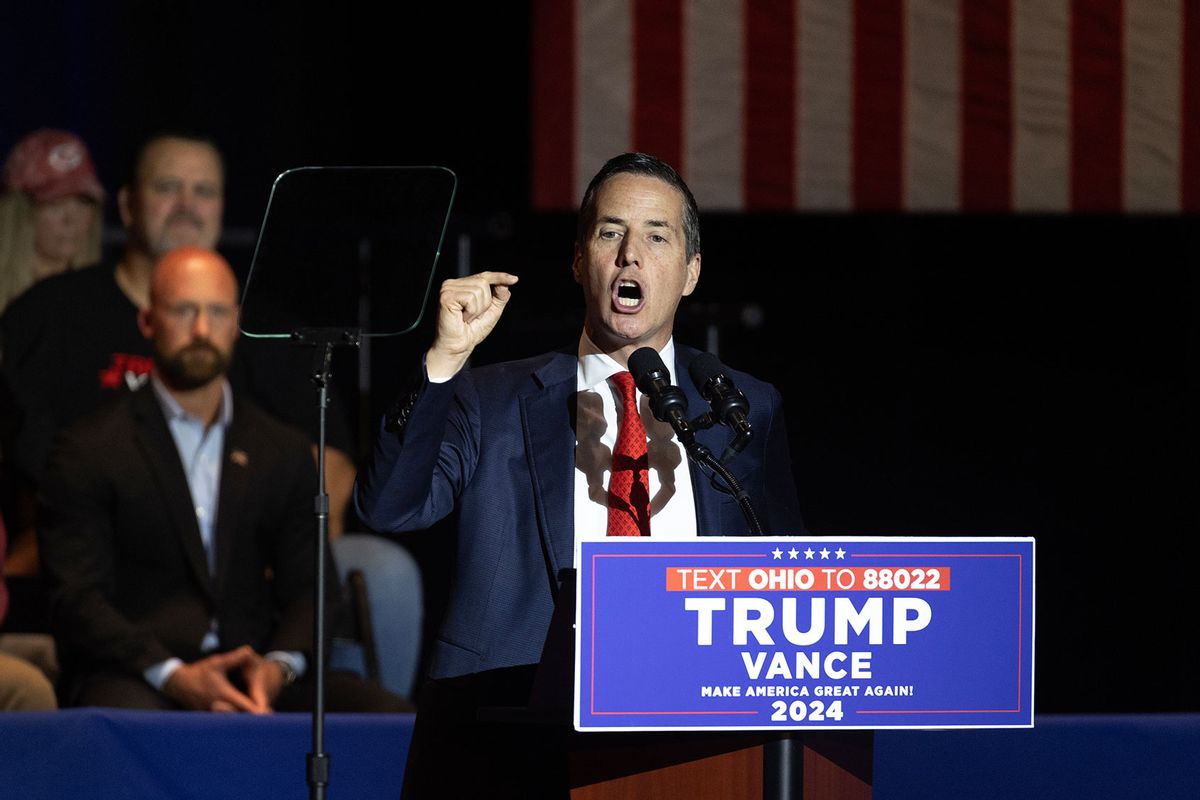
column 468, row 309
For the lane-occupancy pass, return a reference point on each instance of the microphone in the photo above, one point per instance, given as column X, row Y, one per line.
column 667, row 402
column 729, row 405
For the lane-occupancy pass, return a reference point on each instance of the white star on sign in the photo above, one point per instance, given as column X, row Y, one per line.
column 825, row 553
column 793, row 553
column 777, row 553
column 840, row 553
column 808, row 554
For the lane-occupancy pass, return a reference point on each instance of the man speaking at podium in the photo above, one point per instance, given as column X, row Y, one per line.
column 538, row 453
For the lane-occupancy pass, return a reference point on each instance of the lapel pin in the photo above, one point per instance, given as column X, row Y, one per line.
column 239, row 457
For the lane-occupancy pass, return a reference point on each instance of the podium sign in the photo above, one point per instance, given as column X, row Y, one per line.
column 724, row 633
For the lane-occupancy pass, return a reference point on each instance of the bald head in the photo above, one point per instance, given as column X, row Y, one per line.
column 192, row 269
column 192, row 318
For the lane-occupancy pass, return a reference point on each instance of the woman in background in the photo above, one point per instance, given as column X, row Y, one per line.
column 50, row 210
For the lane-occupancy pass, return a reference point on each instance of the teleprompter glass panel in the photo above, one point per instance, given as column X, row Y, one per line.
column 347, row 248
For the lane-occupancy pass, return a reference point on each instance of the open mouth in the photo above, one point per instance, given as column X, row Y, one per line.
column 628, row 295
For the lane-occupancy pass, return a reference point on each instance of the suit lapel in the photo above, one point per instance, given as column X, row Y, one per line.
column 546, row 419
column 235, row 473
column 154, row 438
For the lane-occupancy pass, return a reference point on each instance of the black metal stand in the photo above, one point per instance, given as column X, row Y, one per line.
column 783, row 767
column 323, row 340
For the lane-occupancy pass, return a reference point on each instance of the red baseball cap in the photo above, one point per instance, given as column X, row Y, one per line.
column 49, row 165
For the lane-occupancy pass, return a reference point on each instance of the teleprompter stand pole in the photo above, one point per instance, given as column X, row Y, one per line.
column 323, row 340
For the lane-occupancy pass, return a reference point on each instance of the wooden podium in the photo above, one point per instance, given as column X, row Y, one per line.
column 814, row 766
column 725, row 765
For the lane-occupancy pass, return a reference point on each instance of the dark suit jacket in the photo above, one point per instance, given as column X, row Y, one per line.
column 130, row 585
column 497, row 444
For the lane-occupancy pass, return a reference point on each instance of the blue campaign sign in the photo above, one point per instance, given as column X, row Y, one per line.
column 721, row 633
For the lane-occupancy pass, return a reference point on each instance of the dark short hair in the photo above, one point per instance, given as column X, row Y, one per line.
column 185, row 134
column 641, row 164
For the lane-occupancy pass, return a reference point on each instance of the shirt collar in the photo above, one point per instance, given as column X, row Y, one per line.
column 174, row 411
column 595, row 367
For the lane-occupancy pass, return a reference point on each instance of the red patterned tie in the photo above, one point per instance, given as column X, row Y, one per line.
column 629, row 484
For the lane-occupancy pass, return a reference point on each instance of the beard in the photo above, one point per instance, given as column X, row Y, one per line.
column 193, row 366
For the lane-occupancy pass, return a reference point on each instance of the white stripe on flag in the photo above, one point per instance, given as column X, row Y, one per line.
column 1041, row 105
column 932, row 70
column 1153, row 75
column 713, row 103
column 1043, row 158
column 825, row 62
column 603, row 86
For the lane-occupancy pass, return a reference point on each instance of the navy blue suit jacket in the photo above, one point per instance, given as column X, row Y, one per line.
column 497, row 445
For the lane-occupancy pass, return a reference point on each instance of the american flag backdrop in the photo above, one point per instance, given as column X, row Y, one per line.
column 1053, row 106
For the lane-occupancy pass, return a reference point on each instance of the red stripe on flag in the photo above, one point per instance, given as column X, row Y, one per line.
column 986, row 169
column 553, row 104
column 1190, row 150
column 878, row 105
column 770, row 92
column 658, row 79
column 1097, row 92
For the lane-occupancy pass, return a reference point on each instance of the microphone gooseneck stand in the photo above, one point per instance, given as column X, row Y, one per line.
column 703, row 456
column 323, row 340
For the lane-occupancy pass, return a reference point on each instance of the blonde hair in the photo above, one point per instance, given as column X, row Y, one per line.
column 16, row 245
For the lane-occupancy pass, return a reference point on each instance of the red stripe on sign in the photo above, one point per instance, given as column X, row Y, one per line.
column 986, row 170
column 1097, row 107
column 553, row 104
column 878, row 104
column 770, row 91
column 1190, row 150
column 658, row 79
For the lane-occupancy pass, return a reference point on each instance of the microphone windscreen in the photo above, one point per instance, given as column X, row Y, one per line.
column 643, row 364
column 704, row 368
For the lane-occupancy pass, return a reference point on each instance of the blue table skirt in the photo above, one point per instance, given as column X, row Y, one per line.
column 1098, row 757
column 101, row 753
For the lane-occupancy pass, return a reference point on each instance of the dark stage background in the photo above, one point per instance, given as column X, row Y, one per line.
column 950, row 375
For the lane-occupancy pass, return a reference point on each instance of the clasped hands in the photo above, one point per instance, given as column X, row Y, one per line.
column 205, row 685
